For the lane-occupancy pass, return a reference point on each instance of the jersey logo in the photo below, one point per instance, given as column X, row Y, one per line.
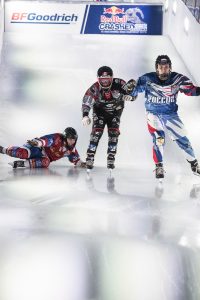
column 107, row 95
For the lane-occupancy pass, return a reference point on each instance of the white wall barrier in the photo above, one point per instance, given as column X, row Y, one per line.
column 1, row 25
column 184, row 31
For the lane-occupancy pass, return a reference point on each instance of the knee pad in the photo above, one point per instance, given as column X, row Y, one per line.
column 17, row 152
column 96, row 135
column 159, row 138
column 42, row 162
column 113, row 135
column 113, row 132
column 160, row 141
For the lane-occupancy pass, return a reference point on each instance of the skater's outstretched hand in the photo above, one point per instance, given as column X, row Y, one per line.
column 128, row 98
column 129, row 86
column 81, row 164
column 86, row 121
column 33, row 143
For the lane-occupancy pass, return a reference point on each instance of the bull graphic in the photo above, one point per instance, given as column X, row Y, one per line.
column 135, row 15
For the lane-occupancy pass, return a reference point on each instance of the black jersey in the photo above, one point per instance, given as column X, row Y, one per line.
column 108, row 101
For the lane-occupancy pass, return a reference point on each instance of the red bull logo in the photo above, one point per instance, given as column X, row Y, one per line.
column 113, row 10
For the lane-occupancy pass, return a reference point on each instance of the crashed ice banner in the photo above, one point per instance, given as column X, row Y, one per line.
column 124, row 19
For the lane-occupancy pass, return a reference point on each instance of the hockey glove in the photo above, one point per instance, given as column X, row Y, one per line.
column 34, row 143
column 80, row 164
column 129, row 86
column 128, row 98
column 86, row 121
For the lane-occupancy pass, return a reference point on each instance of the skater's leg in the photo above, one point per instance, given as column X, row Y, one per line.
column 18, row 152
column 178, row 134
column 33, row 157
column 156, row 129
column 42, row 162
column 96, row 134
column 113, row 135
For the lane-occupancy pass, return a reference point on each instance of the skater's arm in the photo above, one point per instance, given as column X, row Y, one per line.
column 74, row 158
column 87, row 103
column 49, row 140
column 127, row 89
column 188, row 88
column 36, row 142
column 140, row 86
column 88, row 100
column 44, row 141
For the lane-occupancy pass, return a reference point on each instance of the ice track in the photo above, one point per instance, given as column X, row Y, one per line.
column 69, row 236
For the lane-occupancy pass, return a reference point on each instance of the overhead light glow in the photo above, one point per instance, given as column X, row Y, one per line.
column 186, row 24
column 174, row 7
column 166, row 5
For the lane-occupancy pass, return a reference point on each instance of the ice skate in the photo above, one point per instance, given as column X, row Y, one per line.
column 159, row 171
column 195, row 167
column 89, row 162
column 17, row 164
column 111, row 162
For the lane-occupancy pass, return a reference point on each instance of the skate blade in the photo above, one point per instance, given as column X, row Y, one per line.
column 160, row 180
column 11, row 164
column 88, row 171
column 110, row 172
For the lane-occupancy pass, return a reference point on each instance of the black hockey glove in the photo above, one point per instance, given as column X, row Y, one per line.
column 129, row 86
column 128, row 98
column 80, row 164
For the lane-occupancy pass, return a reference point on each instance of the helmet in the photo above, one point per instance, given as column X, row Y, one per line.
column 105, row 77
column 163, row 60
column 70, row 133
column 103, row 71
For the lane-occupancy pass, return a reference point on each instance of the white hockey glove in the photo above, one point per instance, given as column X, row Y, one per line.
column 129, row 86
column 86, row 121
column 80, row 164
column 128, row 98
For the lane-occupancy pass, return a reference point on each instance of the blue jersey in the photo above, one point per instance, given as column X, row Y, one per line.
column 161, row 96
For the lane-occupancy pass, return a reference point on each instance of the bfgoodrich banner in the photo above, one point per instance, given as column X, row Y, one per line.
column 51, row 17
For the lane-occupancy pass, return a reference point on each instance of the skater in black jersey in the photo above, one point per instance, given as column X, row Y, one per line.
column 106, row 97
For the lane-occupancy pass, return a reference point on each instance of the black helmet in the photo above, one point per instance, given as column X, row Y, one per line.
column 105, row 77
column 163, row 60
column 70, row 133
column 104, row 71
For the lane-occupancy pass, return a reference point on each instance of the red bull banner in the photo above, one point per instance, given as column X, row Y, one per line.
column 124, row 19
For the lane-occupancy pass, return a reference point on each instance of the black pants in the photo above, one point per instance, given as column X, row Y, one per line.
column 100, row 120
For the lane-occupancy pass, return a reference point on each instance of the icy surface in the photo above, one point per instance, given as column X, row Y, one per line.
column 69, row 236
